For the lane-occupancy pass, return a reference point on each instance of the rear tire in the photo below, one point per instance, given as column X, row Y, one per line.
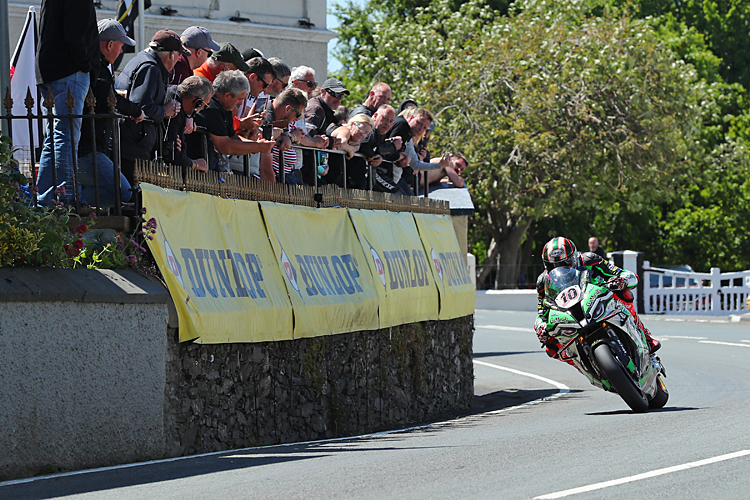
column 620, row 379
column 660, row 396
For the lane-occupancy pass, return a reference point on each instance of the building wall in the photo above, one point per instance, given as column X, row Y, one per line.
column 273, row 28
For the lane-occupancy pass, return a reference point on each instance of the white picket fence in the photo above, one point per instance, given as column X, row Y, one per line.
column 667, row 291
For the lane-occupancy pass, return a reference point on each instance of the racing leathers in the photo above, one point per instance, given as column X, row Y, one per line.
column 620, row 281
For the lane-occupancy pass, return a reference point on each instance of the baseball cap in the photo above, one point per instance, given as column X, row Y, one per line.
column 109, row 29
column 168, row 40
column 228, row 53
column 252, row 52
column 335, row 85
column 196, row 37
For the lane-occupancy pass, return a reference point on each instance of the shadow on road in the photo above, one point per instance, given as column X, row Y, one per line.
column 626, row 412
column 504, row 353
column 148, row 473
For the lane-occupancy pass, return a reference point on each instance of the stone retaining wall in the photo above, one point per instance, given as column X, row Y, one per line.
column 238, row 395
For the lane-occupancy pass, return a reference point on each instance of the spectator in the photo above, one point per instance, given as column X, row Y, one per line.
column 288, row 106
column 379, row 94
column 281, row 78
column 260, row 75
column 406, row 104
column 112, row 38
column 198, row 40
column 318, row 116
column 388, row 179
column 194, row 94
column 227, row 58
column 356, row 130
column 248, row 116
column 457, row 163
column 341, row 115
column 145, row 79
column 376, row 148
column 67, row 58
column 595, row 247
column 303, row 78
column 230, row 88
column 251, row 53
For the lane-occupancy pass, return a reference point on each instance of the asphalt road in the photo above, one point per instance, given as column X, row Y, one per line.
column 539, row 431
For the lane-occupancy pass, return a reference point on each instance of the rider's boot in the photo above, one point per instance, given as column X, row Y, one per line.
column 653, row 344
column 552, row 348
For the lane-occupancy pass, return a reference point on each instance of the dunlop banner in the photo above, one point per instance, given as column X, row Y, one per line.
column 399, row 266
column 324, row 269
column 219, row 267
column 447, row 264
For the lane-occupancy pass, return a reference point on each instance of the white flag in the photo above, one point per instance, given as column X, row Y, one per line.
column 23, row 79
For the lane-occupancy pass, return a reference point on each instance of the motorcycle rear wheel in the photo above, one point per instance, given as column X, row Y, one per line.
column 660, row 396
column 620, row 379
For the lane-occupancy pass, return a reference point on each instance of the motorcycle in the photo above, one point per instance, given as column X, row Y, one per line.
column 599, row 336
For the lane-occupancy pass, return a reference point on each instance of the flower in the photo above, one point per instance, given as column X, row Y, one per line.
column 143, row 210
column 78, row 244
column 81, row 229
column 60, row 190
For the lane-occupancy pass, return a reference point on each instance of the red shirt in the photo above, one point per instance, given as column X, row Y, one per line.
column 181, row 71
column 205, row 70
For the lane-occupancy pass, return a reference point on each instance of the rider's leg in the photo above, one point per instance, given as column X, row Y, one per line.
column 626, row 297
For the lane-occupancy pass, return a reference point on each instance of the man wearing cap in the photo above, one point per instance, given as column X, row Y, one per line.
column 145, row 79
column 112, row 38
column 318, row 116
column 198, row 40
column 225, row 59
column 67, row 59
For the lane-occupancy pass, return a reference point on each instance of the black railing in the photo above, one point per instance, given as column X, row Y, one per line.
column 35, row 120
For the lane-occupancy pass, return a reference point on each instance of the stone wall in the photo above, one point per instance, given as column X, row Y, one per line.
column 239, row 395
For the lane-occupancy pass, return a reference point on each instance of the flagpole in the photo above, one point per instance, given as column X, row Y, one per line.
column 5, row 54
column 141, row 25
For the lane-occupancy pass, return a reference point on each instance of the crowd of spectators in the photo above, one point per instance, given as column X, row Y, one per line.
column 207, row 105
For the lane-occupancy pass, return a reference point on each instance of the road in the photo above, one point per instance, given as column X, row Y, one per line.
column 540, row 431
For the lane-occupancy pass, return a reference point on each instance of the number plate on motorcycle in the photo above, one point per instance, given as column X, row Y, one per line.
column 569, row 296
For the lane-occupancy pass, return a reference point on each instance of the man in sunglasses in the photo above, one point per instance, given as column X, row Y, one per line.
column 201, row 46
column 285, row 109
column 319, row 114
column 260, row 75
column 194, row 93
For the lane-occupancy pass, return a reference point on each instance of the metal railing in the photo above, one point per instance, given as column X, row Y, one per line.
column 669, row 291
column 35, row 120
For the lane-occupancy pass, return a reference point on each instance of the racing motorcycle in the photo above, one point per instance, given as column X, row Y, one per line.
column 599, row 337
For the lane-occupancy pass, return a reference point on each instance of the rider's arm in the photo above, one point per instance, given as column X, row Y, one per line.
column 541, row 308
column 607, row 270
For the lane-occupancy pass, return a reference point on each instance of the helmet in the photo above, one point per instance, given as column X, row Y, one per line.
column 559, row 252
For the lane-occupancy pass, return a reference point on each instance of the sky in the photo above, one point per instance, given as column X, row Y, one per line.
column 332, row 24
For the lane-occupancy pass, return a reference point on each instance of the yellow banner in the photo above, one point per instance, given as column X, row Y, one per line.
column 219, row 267
column 399, row 266
column 328, row 281
column 448, row 266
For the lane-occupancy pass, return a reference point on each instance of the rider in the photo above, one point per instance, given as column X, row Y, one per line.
column 561, row 252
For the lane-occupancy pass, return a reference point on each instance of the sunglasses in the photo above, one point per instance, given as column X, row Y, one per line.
column 297, row 113
column 208, row 51
column 335, row 95
column 199, row 104
column 265, row 84
column 311, row 84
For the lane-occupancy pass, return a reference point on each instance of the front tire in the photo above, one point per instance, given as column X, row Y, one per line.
column 620, row 379
column 660, row 396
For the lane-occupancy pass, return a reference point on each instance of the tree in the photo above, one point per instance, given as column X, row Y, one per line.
column 558, row 109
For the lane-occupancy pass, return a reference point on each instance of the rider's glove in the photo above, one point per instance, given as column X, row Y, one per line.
column 542, row 334
column 616, row 284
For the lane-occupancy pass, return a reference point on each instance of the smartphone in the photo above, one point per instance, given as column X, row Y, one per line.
column 267, row 131
column 260, row 104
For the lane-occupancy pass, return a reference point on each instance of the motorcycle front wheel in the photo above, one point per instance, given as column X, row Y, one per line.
column 620, row 379
column 660, row 396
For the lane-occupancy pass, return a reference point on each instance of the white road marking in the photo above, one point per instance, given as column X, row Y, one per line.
column 507, row 328
column 645, row 475
column 745, row 341
column 674, row 319
column 723, row 343
column 563, row 388
column 681, row 337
